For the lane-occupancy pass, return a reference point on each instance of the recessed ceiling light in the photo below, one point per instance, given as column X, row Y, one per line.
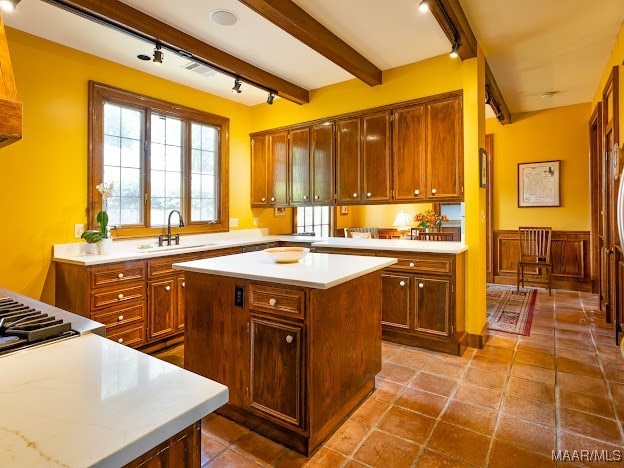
column 144, row 57
column 224, row 17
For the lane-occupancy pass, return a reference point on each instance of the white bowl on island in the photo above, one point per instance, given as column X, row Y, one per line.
column 286, row 254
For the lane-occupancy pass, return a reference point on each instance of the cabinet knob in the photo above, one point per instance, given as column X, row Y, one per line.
column 305, row 197
column 272, row 301
column 272, row 198
column 120, row 318
column 433, row 191
column 167, row 288
column 184, row 284
column 412, row 265
column 120, row 340
column 316, row 197
column 369, row 194
column 402, row 283
column 420, row 285
column 120, row 275
column 120, row 297
column 355, row 195
column 416, row 192
column 289, row 339
column 263, row 199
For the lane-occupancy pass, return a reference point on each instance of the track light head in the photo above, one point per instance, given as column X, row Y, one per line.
column 8, row 5
column 236, row 89
column 270, row 97
column 158, row 54
column 424, row 6
column 455, row 49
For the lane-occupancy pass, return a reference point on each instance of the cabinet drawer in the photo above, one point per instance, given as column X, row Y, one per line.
column 287, row 302
column 426, row 265
column 162, row 266
column 116, row 273
column 110, row 297
column 119, row 316
column 132, row 336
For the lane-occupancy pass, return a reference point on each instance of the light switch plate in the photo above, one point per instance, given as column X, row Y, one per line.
column 233, row 222
column 78, row 230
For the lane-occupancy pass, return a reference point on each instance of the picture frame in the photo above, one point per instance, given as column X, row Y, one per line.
column 539, row 184
column 344, row 210
column 483, row 167
column 279, row 212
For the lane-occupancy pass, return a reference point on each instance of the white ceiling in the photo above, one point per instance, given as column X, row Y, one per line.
column 533, row 46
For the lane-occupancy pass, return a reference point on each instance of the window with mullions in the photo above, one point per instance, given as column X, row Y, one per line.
column 160, row 157
column 315, row 219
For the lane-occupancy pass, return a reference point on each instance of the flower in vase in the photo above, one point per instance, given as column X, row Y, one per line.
column 93, row 236
column 429, row 219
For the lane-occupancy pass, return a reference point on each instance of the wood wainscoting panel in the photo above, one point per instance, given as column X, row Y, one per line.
column 570, row 257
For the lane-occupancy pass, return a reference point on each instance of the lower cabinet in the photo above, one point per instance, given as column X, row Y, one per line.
column 397, row 300
column 162, row 318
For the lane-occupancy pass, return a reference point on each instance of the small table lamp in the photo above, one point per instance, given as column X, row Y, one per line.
column 402, row 223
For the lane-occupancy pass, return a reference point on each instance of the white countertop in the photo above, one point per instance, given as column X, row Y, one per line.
column 320, row 271
column 399, row 245
column 88, row 400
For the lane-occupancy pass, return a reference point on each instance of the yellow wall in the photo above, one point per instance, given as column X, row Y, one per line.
column 551, row 134
column 43, row 178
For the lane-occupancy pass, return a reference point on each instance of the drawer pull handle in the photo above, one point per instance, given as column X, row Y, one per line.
column 412, row 265
column 272, row 301
column 120, row 340
column 433, row 191
column 416, row 192
column 369, row 194
column 402, row 283
column 289, row 339
column 167, row 288
column 420, row 285
column 184, row 284
column 305, row 197
column 120, row 297
column 120, row 318
column 316, row 197
column 120, row 275
column 272, row 198
column 263, row 199
column 355, row 195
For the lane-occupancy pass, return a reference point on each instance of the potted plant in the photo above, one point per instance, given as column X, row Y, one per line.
column 101, row 236
column 429, row 220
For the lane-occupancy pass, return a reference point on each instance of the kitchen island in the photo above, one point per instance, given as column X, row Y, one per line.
column 298, row 345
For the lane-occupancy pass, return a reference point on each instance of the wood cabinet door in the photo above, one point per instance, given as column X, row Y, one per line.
column 259, row 171
column 396, row 300
column 445, row 156
column 278, row 173
column 181, row 297
column 432, row 313
column 348, row 161
column 322, row 166
column 299, row 166
column 376, row 157
column 162, row 314
column 276, row 363
column 408, row 153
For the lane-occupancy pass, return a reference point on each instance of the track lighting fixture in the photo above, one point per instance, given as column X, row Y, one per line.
column 455, row 49
column 270, row 97
column 236, row 89
column 8, row 5
column 158, row 54
column 424, row 6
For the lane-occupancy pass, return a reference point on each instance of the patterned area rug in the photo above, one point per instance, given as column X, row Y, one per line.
column 510, row 311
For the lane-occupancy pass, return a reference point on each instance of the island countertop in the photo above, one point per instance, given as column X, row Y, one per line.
column 89, row 401
column 398, row 245
column 320, row 271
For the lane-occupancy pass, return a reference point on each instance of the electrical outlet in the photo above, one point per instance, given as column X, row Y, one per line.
column 78, row 230
column 233, row 222
column 255, row 220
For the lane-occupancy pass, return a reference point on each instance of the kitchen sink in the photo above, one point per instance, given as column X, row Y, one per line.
column 173, row 247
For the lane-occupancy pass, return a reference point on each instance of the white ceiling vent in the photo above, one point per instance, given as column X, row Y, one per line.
column 200, row 68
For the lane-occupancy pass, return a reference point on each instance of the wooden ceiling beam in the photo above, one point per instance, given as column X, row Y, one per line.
column 452, row 19
column 118, row 15
column 288, row 16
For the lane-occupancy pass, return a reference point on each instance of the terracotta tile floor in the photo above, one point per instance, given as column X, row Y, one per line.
column 509, row 404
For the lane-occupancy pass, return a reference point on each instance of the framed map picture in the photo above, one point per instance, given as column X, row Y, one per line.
column 538, row 184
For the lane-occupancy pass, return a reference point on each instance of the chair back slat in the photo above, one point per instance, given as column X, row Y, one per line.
column 371, row 230
column 535, row 241
column 436, row 236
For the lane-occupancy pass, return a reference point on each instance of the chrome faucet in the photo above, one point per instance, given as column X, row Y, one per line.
column 168, row 238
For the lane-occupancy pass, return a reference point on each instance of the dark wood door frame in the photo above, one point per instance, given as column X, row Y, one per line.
column 595, row 152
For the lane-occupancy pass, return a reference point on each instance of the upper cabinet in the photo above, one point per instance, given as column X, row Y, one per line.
column 407, row 152
column 363, row 159
column 10, row 108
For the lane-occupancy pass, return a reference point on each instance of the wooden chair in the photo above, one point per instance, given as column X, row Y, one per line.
column 534, row 253
column 435, row 236
column 374, row 234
